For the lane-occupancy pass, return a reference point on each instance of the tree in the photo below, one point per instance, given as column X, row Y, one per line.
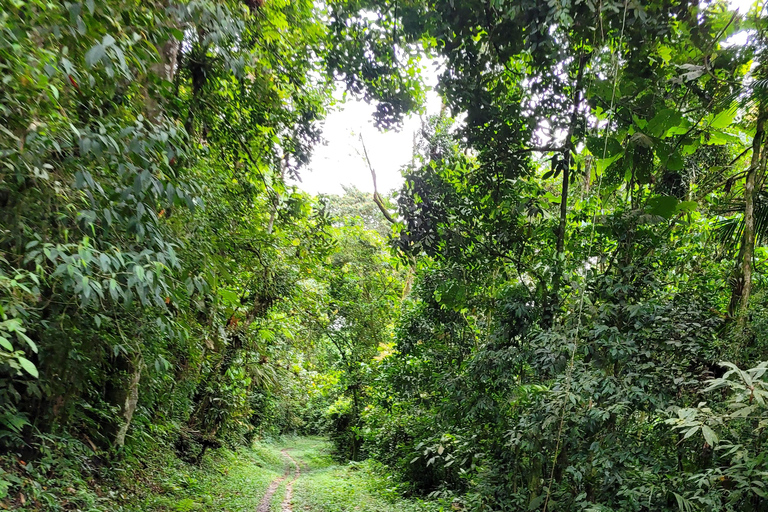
column 147, row 225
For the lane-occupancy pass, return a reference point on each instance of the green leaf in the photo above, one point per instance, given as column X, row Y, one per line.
column 641, row 163
column 28, row 341
column 599, row 145
column 687, row 206
column 663, row 121
column 709, row 435
column 691, row 431
column 230, row 296
column 6, row 344
column 675, row 162
column 683, row 504
column 663, row 206
column 29, row 366
column 690, row 148
column 104, row 262
column 451, row 295
column 113, row 289
column 724, row 118
column 609, row 165
column 719, row 138
column 536, row 502
column 665, row 52
column 94, row 55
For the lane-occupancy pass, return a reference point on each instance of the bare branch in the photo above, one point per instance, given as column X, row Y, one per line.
column 376, row 197
column 544, row 149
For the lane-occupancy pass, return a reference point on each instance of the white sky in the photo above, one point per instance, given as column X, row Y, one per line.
column 340, row 161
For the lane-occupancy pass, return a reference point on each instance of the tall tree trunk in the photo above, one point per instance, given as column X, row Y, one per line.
column 128, row 392
column 742, row 278
column 409, row 276
column 569, row 148
column 356, row 420
column 166, row 66
column 165, row 70
column 130, row 398
column 560, row 247
column 276, row 197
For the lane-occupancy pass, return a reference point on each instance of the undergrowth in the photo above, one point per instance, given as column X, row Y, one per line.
column 71, row 476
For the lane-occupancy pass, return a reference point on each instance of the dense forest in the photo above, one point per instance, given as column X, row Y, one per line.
column 563, row 307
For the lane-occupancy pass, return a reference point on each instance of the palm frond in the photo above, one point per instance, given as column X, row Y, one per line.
column 729, row 231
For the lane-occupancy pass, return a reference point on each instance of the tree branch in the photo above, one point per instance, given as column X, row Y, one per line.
column 545, row 149
column 376, row 197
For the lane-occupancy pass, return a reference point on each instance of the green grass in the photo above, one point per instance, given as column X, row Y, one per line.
column 277, row 499
column 326, row 486
column 157, row 481
column 227, row 481
column 311, row 452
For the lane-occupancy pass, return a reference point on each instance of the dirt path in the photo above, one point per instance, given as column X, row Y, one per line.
column 266, row 501
column 287, row 506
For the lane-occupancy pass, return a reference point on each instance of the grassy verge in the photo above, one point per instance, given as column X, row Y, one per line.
column 231, row 481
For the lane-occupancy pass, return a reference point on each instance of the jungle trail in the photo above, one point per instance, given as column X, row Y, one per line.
column 562, row 308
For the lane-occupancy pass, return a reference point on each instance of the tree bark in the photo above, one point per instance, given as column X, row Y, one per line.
column 568, row 158
column 164, row 69
column 742, row 279
column 356, row 419
column 128, row 405
column 563, row 207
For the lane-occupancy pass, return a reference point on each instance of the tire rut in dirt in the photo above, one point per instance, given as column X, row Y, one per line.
column 264, row 505
column 287, row 505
